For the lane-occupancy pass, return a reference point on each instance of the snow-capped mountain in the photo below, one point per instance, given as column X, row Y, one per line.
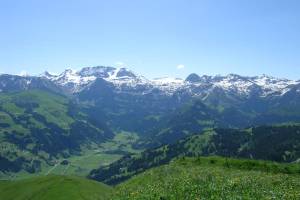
column 75, row 81
column 261, row 85
column 122, row 78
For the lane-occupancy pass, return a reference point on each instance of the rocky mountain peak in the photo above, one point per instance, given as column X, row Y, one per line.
column 193, row 78
column 123, row 72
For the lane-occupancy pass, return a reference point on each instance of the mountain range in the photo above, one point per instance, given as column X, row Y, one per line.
column 127, row 95
column 74, row 81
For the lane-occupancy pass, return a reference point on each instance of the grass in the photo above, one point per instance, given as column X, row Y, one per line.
column 122, row 141
column 209, row 178
column 52, row 107
column 182, row 179
column 54, row 187
column 83, row 164
column 245, row 164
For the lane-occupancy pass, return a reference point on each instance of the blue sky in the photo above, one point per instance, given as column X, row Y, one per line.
column 152, row 37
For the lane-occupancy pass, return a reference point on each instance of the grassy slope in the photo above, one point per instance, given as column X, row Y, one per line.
column 54, row 187
column 19, row 116
column 41, row 119
column 52, row 107
column 201, row 178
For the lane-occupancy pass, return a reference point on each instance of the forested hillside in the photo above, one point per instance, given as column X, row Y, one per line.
column 276, row 143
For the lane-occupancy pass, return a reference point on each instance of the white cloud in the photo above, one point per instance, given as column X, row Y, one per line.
column 181, row 66
column 120, row 64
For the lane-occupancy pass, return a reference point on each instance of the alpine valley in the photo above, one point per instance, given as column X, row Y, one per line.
column 123, row 129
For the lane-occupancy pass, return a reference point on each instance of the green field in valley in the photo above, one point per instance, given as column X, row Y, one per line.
column 91, row 157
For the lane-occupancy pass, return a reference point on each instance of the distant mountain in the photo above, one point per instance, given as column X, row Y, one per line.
column 123, row 78
column 15, row 83
column 135, row 103
column 76, row 81
column 224, row 112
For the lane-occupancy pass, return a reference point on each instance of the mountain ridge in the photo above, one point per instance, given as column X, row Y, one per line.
column 77, row 80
